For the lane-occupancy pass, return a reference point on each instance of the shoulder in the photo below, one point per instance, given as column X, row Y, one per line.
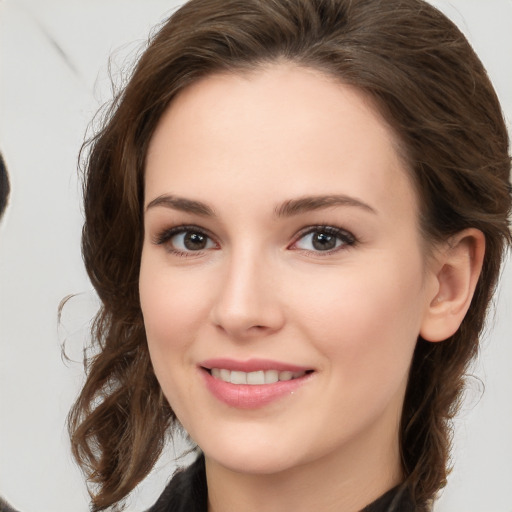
column 186, row 492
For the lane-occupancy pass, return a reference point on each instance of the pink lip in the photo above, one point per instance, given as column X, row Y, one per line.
column 247, row 396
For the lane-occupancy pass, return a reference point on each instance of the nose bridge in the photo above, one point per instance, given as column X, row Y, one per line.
column 247, row 302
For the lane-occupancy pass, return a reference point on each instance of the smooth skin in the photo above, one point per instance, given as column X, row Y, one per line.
column 338, row 283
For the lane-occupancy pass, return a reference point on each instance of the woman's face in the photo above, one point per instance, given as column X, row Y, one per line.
column 281, row 241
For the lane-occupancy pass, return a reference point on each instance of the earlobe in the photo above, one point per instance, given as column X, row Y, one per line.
column 458, row 268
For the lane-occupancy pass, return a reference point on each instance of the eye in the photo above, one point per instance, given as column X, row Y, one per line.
column 324, row 239
column 183, row 240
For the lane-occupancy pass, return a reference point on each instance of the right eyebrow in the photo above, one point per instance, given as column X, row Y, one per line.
column 311, row 203
column 182, row 204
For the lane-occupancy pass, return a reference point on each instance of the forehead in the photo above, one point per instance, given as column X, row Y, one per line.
column 280, row 129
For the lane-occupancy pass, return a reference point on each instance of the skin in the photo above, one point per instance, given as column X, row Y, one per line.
column 244, row 145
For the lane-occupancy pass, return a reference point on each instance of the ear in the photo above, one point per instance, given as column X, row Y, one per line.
column 455, row 274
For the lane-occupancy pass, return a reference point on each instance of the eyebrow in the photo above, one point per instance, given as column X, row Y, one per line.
column 287, row 209
column 182, row 204
column 310, row 203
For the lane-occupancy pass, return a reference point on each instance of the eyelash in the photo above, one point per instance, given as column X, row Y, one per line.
column 346, row 238
column 165, row 236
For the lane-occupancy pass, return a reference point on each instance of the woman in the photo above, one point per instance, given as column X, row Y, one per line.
column 295, row 218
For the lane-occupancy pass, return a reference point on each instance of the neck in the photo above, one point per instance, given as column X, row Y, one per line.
column 345, row 480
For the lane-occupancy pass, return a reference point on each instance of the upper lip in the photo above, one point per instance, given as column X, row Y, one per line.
column 251, row 365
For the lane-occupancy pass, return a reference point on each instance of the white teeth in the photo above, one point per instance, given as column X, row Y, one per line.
column 254, row 378
column 271, row 376
column 238, row 378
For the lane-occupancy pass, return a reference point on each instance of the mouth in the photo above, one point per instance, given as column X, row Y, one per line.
column 254, row 383
column 256, row 378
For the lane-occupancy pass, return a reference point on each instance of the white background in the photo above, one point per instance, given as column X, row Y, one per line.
column 53, row 77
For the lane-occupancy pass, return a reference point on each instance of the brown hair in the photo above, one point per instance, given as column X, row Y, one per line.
column 433, row 91
column 4, row 186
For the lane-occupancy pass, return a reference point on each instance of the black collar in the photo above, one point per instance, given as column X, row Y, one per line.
column 187, row 492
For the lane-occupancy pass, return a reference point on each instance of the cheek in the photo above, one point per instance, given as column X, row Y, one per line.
column 365, row 319
column 172, row 305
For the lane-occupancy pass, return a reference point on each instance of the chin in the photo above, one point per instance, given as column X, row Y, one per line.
column 251, row 456
column 253, row 463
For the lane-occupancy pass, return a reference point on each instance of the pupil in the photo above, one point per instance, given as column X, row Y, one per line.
column 194, row 241
column 324, row 242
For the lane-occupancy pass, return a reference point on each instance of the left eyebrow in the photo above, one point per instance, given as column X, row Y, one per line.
column 182, row 204
column 310, row 203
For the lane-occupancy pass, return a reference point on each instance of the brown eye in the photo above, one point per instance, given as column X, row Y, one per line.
column 185, row 240
column 194, row 241
column 324, row 239
column 190, row 241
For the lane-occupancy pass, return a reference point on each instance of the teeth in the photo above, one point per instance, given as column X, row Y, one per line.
column 271, row 376
column 286, row 376
column 254, row 378
column 238, row 378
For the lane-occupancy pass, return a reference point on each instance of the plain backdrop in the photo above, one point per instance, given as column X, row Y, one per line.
column 53, row 77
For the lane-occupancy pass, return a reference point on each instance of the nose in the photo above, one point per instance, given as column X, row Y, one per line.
column 248, row 302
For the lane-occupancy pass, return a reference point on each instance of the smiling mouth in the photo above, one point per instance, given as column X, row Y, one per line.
column 254, row 383
column 256, row 378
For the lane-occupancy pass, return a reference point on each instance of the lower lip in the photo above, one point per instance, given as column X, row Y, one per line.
column 250, row 396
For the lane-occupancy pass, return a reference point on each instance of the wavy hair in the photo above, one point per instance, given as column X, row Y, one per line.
column 435, row 94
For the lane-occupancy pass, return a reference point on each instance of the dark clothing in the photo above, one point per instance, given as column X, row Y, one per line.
column 187, row 492
column 397, row 499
